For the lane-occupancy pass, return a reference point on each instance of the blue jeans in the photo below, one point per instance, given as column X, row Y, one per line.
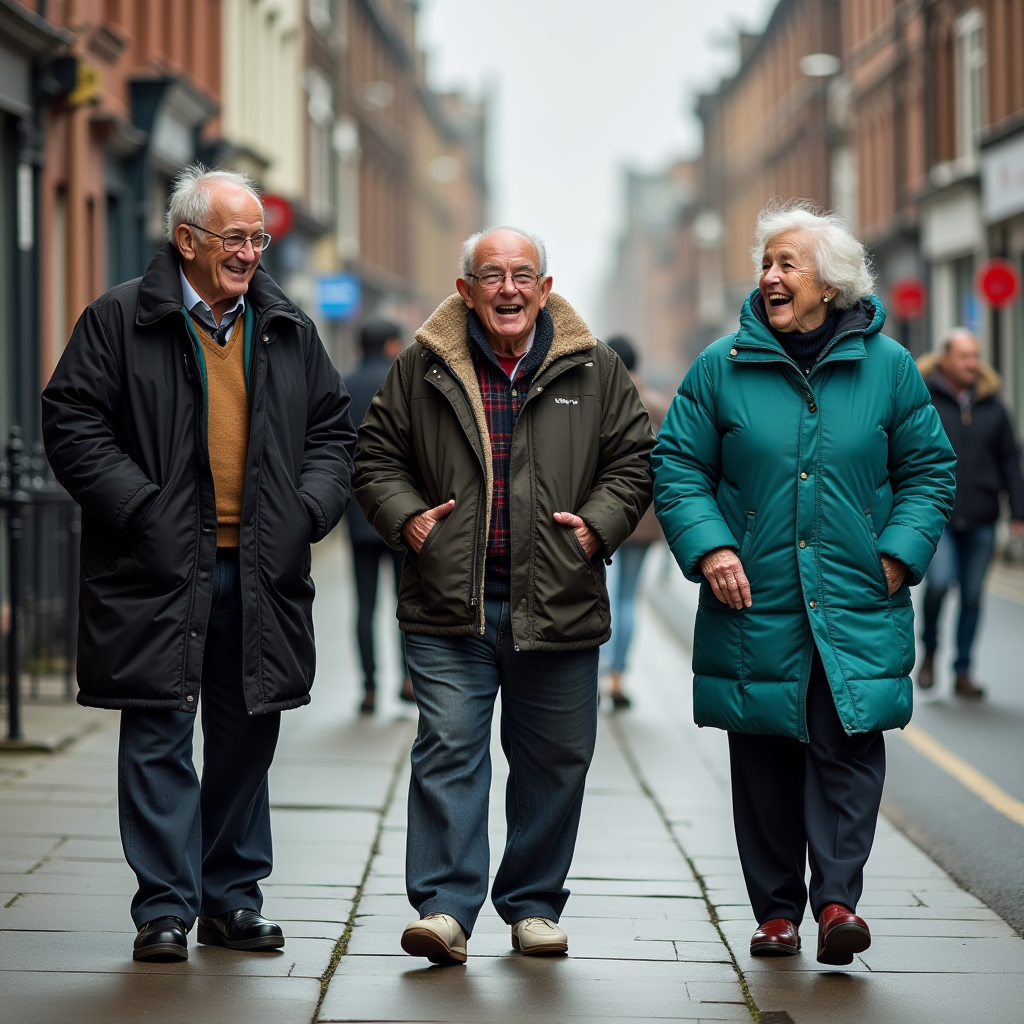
column 200, row 847
column 548, row 732
column 625, row 575
column 962, row 556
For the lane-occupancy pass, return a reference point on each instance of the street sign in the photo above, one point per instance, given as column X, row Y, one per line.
column 908, row 297
column 998, row 282
column 278, row 216
column 338, row 296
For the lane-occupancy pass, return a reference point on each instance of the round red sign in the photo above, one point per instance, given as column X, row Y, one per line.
column 998, row 282
column 908, row 296
column 278, row 216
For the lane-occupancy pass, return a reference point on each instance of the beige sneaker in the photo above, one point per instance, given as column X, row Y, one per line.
column 438, row 937
column 538, row 935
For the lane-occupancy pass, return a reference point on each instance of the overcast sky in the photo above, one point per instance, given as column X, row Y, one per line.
column 582, row 88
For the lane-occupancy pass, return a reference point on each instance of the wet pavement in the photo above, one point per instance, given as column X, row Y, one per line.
column 658, row 920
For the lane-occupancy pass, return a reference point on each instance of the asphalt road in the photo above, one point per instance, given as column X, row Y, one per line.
column 978, row 846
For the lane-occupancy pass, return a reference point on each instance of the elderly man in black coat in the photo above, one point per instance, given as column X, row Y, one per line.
column 197, row 419
column 966, row 394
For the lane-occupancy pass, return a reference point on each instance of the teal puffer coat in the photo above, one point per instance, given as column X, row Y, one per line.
column 810, row 479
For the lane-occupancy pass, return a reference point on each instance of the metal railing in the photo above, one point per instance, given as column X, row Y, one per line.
column 38, row 578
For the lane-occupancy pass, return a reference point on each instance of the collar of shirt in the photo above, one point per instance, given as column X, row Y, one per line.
column 199, row 308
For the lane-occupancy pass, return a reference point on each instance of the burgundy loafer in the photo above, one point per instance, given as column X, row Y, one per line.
column 841, row 934
column 777, row 937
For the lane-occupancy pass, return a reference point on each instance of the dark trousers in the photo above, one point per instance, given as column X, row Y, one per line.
column 963, row 556
column 366, row 560
column 548, row 732
column 794, row 802
column 200, row 847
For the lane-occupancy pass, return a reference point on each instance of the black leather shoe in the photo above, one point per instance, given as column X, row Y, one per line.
column 240, row 929
column 162, row 941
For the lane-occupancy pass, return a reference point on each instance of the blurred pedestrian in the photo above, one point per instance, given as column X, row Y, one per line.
column 198, row 421
column 508, row 452
column 803, row 478
column 628, row 561
column 965, row 391
column 380, row 341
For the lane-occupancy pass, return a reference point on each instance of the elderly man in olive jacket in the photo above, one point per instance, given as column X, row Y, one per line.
column 197, row 419
column 508, row 453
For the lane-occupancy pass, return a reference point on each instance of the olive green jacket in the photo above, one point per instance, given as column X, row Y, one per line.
column 581, row 444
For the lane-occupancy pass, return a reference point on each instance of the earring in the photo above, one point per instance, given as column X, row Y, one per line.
column 825, row 297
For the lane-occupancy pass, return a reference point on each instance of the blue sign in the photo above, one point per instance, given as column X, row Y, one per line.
column 338, row 296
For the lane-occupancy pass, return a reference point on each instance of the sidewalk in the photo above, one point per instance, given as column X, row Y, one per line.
column 658, row 920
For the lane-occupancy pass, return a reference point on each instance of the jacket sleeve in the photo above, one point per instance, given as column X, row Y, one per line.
column 622, row 487
column 385, row 482
column 325, row 483
column 1008, row 457
column 687, row 470
column 922, row 472
column 79, row 413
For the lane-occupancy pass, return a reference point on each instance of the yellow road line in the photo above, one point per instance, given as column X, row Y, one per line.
column 965, row 773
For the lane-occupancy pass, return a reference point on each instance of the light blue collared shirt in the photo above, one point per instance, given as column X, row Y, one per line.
column 200, row 309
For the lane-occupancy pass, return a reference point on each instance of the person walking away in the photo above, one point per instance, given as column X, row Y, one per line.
column 629, row 559
column 965, row 392
column 508, row 452
column 803, row 479
column 197, row 420
column 380, row 341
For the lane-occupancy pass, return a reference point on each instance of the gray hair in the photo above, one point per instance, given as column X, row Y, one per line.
column 467, row 259
column 190, row 194
column 840, row 260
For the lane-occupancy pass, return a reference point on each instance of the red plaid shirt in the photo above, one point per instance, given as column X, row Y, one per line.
column 503, row 399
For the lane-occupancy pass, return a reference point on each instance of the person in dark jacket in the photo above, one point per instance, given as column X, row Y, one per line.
column 381, row 341
column 508, row 453
column 966, row 394
column 197, row 419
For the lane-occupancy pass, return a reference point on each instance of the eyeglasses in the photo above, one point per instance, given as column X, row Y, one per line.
column 522, row 279
column 234, row 242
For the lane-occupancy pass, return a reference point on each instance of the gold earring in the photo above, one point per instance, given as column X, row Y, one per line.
column 825, row 297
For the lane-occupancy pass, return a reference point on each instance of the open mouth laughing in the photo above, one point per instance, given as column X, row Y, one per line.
column 237, row 271
column 508, row 309
column 777, row 299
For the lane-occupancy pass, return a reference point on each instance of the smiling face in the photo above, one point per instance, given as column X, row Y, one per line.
column 789, row 284
column 218, row 276
column 507, row 311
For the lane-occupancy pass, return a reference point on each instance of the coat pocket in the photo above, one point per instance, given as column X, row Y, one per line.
column 748, row 536
column 880, row 569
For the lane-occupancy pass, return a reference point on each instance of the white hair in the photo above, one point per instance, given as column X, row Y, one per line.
column 189, row 201
column 840, row 260
column 467, row 259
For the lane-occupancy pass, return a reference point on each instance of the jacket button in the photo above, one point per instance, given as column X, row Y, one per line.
column 190, row 698
column 814, row 604
column 803, row 543
column 803, row 476
column 266, row 337
column 733, row 352
column 812, row 407
column 192, row 632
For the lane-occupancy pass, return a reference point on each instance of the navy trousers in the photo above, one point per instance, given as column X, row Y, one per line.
column 200, row 847
column 366, row 559
column 548, row 732
column 796, row 802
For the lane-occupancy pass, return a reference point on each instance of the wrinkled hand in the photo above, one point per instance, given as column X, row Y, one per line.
column 723, row 569
column 895, row 572
column 589, row 540
column 417, row 528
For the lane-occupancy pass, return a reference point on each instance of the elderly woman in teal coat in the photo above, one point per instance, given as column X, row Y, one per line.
column 802, row 477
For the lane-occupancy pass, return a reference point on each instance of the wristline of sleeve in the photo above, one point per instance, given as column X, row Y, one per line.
column 690, row 546
column 132, row 505
column 611, row 530
column 910, row 546
column 393, row 513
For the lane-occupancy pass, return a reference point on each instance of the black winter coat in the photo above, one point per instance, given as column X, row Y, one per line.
column 987, row 457
column 362, row 385
column 124, row 424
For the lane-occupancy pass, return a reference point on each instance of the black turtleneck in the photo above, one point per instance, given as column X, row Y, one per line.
column 804, row 349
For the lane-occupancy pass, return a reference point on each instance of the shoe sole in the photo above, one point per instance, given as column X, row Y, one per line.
column 773, row 949
column 426, row 943
column 211, row 937
column 549, row 949
column 161, row 952
column 842, row 943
